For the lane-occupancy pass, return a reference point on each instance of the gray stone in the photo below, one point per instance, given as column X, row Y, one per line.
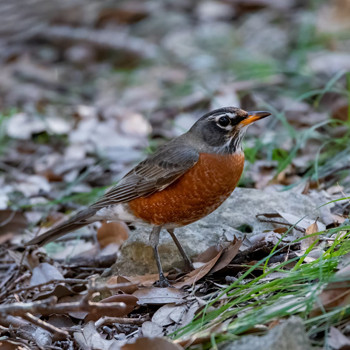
column 290, row 335
column 239, row 210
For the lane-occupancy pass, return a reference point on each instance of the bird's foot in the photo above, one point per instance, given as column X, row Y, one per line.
column 188, row 266
column 163, row 282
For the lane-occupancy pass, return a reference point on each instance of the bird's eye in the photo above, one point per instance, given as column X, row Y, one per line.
column 224, row 121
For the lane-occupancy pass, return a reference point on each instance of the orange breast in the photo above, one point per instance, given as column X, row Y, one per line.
column 194, row 195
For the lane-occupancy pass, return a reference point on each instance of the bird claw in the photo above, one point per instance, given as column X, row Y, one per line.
column 188, row 267
column 163, row 282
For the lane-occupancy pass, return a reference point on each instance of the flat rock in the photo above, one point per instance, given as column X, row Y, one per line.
column 289, row 335
column 236, row 217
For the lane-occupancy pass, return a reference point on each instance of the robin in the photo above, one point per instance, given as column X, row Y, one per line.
column 183, row 181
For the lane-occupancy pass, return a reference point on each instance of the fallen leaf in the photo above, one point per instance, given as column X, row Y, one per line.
column 208, row 254
column 59, row 291
column 112, row 232
column 61, row 321
column 22, row 126
column 151, row 329
column 43, row 273
column 309, row 238
column 151, row 343
column 337, row 340
column 89, row 338
column 189, row 314
column 129, row 300
column 5, row 237
column 146, row 280
column 10, row 345
column 12, row 221
column 162, row 316
column 128, row 289
column 282, row 218
column 198, row 273
column 335, row 294
column 341, row 112
column 156, row 296
column 227, row 256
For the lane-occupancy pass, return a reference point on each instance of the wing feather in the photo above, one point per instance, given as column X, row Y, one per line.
column 153, row 174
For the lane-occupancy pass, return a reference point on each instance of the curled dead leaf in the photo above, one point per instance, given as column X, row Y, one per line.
column 227, row 256
column 112, row 232
column 195, row 275
column 129, row 300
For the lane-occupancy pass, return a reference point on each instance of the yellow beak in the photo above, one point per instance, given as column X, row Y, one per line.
column 253, row 116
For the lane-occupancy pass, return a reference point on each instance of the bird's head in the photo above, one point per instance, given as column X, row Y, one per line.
column 222, row 130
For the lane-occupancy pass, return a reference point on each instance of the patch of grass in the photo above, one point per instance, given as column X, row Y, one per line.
column 249, row 302
column 245, row 68
column 333, row 151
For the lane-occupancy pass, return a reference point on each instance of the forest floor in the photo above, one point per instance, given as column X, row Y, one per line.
column 98, row 87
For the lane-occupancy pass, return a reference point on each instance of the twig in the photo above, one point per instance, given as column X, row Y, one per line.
column 17, row 281
column 122, row 320
column 300, row 229
column 58, row 333
column 49, row 306
column 67, row 281
column 102, row 261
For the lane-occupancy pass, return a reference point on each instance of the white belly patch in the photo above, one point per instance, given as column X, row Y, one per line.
column 117, row 212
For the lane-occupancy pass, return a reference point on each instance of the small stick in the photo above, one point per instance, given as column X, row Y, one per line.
column 122, row 320
column 58, row 333
column 8, row 291
column 49, row 306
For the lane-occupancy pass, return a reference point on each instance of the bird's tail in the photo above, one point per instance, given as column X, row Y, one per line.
column 79, row 220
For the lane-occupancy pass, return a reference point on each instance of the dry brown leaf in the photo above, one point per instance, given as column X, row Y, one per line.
column 59, row 291
column 146, row 280
column 12, row 221
column 341, row 112
column 112, row 232
column 198, row 273
column 51, row 176
column 156, row 296
column 6, row 237
column 208, row 254
column 11, row 345
column 308, row 241
column 151, row 343
column 122, row 280
column 129, row 300
column 228, row 254
column 335, row 294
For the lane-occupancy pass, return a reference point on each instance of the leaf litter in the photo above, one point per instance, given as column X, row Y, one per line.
column 67, row 132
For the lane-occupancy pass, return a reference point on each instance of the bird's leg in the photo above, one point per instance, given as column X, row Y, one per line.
column 154, row 241
column 188, row 263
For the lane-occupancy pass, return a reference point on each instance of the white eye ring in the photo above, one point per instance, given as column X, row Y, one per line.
column 224, row 122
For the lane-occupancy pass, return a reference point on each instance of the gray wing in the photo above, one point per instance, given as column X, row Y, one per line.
column 153, row 174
